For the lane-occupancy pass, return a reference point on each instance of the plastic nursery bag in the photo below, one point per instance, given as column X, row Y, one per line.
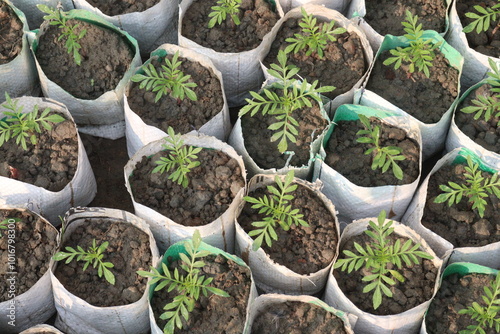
column 75, row 315
column 367, row 323
column 220, row 232
column 79, row 191
column 33, row 306
column 241, row 71
column 433, row 135
column 443, row 248
column 356, row 202
column 104, row 116
column 18, row 77
column 139, row 133
column 42, row 329
column 338, row 5
column 269, row 275
column 340, row 21
column 172, row 253
column 34, row 15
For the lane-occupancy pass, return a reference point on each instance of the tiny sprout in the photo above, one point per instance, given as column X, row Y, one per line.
column 224, row 8
column 4, row 224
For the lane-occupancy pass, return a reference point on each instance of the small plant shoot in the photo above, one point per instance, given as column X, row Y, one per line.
column 58, row 18
column 482, row 18
column 182, row 159
column 384, row 157
column 419, row 54
column 476, row 188
column 291, row 97
column 93, row 256
column 278, row 211
column 24, row 126
column 312, row 37
column 4, row 224
column 169, row 81
column 379, row 256
column 487, row 107
column 189, row 286
column 488, row 315
column 223, row 9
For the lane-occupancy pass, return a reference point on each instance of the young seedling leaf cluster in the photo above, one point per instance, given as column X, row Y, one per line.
column 384, row 157
column 189, row 286
column 419, row 54
column 487, row 316
column 4, row 223
column 283, row 102
column 182, row 159
column 378, row 256
column 278, row 211
column 92, row 256
column 58, row 18
column 223, row 9
column 476, row 188
column 24, row 126
column 169, row 81
column 312, row 37
column 483, row 18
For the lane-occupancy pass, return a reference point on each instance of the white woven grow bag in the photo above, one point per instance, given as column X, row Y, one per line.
column 139, row 133
column 79, row 191
column 338, row 5
column 76, row 316
column 219, row 233
column 34, row 15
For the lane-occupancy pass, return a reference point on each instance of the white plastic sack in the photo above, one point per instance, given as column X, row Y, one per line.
column 241, row 71
column 76, row 316
column 34, row 15
column 146, row 27
column 219, row 233
column 367, row 323
column 139, row 133
column 33, row 306
column 79, row 191
column 269, row 275
column 45, row 329
column 103, row 116
column 441, row 246
column 265, row 300
column 18, row 77
column 356, row 202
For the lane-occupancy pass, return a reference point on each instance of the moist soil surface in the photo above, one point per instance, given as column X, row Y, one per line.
column 342, row 66
column 459, row 224
column 293, row 317
column 129, row 251
column 212, row 187
column 482, row 132
column 118, row 7
column 484, row 42
column 35, row 243
column 11, row 34
column 212, row 313
column 417, row 288
column 426, row 99
column 303, row 250
column 183, row 115
column 256, row 16
column 347, row 156
column 455, row 294
column 50, row 164
column 106, row 56
column 385, row 16
column 265, row 153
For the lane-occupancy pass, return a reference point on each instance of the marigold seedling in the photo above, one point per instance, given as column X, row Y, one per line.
column 476, row 188
column 182, row 159
column 93, row 256
column 283, row 103
column 384, row 157
column 224, row 8
column 312, row 37
column 488, row 315
column 419, row 54
column 278, row 211
column 378, row 256
column 189, row 286
column 169, row 81
column 483, row 18
column 22, row 126
column 58, row 18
